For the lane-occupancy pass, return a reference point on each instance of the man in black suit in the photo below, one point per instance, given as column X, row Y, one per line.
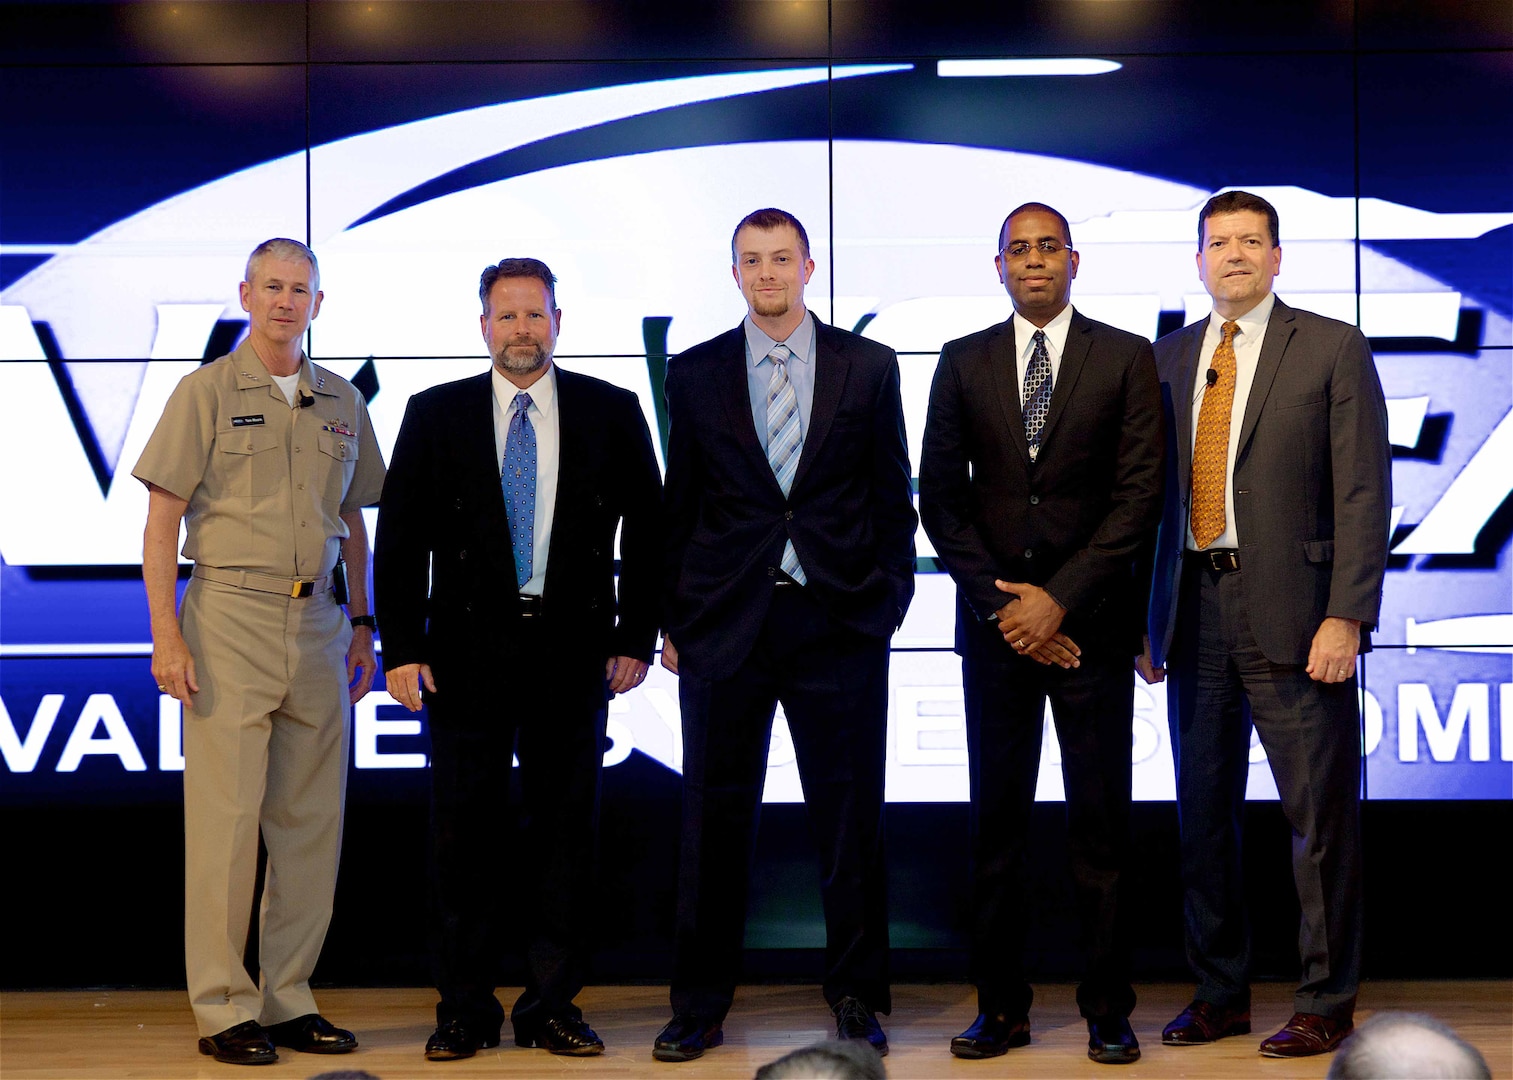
column 1270, row 562
column 790, row 562
column 496, row 545
column 1039, row 481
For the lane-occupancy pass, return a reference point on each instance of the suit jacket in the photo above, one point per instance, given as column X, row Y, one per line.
column 1073, row 520
column 442, row 520
column 850, row 512
column 1312, row 482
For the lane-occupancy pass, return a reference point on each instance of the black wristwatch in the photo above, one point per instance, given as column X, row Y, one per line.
column 365, row 620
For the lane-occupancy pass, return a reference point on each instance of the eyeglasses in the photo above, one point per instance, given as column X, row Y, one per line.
column 1020, row 248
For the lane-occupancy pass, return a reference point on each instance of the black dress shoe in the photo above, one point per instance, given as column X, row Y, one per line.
column 313, row 1034
column 1204, row 1022
column 686, row 1037
column 1111, row 1041
column 562, row 1035
column 245, row 1044
column 990, row 1036
column 854, row 1020
column 454, row 1040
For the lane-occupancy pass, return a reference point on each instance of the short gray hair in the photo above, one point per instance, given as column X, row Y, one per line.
column 281, row 247
column 1407, row 1045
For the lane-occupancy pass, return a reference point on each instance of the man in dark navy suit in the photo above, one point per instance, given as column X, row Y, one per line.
column 790, row 562
column 496, row 545
column 1040, row 480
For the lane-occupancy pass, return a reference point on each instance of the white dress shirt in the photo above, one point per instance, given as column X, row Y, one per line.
column 542, row 416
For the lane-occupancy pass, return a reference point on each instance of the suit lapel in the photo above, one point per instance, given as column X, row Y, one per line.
column 830, row 369
column 573, row 433
column 735, row 400
column 1079, row 341
column 1279, row 330
column 479, row 459
column 1003, row 362
column 1182, row 400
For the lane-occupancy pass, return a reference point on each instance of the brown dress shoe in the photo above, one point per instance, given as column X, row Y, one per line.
column 1307, row 1034
column 1203, row 1022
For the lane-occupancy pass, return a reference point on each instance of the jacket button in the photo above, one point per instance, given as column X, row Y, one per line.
column 772, row 571
column 463, row 554
column 788, row 515
column 1034, row 500
column 1029, row 553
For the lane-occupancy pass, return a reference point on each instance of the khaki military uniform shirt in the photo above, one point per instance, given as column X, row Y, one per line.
column 266, row 484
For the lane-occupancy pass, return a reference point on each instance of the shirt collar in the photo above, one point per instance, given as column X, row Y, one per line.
column 543, row 391
column 800, row 342
column 1252, row 323
column 1055, row 331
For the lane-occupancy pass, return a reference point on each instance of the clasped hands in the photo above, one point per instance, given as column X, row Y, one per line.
column 1031, row 625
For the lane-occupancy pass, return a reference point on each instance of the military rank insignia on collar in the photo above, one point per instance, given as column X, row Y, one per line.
column 320, row 382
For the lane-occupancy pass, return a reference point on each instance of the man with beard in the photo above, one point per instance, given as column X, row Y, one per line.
column 789, row 565
column 496, row 542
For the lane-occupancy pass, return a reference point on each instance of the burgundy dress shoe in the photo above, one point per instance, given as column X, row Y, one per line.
column 1307, row 1034
column 686, row 1037
column 1204, row 1022
column 312, row 1034
column 568, row 1035
column 990, row 1036
column 854, row 1020
column 245, row 1044
column 1111, row 1041
column 454, row 1040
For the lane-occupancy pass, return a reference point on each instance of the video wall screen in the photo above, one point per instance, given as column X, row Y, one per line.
column 411, row 156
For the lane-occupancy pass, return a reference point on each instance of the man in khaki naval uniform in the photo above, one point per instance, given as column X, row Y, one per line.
column 269, row 460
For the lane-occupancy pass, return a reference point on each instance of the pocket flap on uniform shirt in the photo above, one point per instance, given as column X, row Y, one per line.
column 245, row 440
column 338, row 446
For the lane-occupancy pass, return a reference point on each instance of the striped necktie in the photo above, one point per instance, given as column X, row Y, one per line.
column 785, row 441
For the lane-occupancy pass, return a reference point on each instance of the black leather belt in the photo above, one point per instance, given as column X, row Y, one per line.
column 530, row 606
column 1219, row 560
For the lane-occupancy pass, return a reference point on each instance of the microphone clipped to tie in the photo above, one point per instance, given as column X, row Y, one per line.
column 1208, row 380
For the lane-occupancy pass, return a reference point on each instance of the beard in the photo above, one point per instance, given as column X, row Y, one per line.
column 524, row 360
column 771, row 307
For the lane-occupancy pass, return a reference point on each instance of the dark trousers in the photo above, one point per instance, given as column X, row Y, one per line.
column 1093, row 709
column 1220, row 684
column 496, row 875
column 833, row 685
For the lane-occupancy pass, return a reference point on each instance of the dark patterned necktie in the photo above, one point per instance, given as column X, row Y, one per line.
column 1037, row 394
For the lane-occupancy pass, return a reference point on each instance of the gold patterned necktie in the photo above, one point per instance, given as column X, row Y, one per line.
column 1211, row 448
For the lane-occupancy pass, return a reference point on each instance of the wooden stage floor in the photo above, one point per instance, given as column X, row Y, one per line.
column 96, row 1034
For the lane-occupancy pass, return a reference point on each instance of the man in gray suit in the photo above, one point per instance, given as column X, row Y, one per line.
column 1268, row 579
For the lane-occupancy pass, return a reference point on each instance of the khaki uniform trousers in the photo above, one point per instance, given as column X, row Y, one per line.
column 265, row 748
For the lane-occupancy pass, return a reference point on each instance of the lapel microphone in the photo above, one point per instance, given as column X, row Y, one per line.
column 304, row 401
column 1208, row 380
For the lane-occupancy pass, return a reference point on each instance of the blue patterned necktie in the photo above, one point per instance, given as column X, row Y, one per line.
column 1037, row 394
column 518, row 481
column 784, row 440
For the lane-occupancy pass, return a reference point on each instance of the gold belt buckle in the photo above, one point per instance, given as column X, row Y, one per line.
column 302, row 590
